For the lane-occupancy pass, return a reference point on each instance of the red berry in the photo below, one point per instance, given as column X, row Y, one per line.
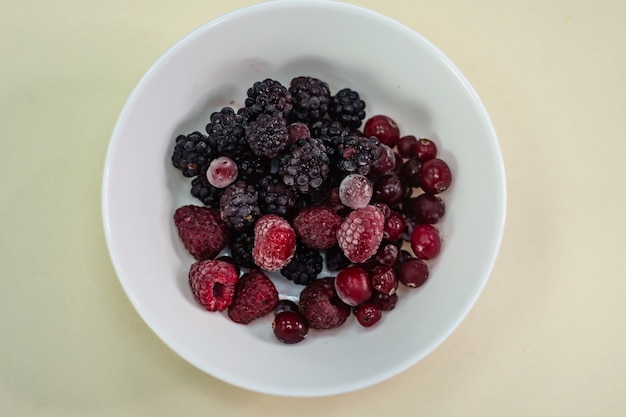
column 389, row 189
column 387, row 160
column 213, row 284
column 222, row 172
column 384, row 128
column 406, row 146
column 355, row 191
column 425, row 241
column 316, row 226
column 202, row 231
column 413, row 272
column 320, row 305
column 384, row 301
column 394, row 226
column 360, row 233
column 384, row 279
column 424, row 150
column 368, row 314
column 255, row 296
column 290, row 327
column 274, row 242
column 353, row 285
column 387, row 254
column 427, row 208
column 434, row 176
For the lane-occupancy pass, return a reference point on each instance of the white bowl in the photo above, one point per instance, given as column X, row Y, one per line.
column 398, row 73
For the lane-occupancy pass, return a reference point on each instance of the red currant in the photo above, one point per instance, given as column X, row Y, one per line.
column 425, row 241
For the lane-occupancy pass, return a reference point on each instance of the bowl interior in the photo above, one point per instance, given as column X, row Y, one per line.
column 397, row 73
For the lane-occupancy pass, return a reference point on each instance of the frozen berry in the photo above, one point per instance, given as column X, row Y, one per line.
column 384, row 279
column 409, row 171
column 413, row 272
column 255, row 296
column 268, row 97
column 389, row 189
column 274, row 242
column 213, row 284
column 384, row 301
column 286, row 305
column 290, row 327
column 360, row 233
column 368, row 314
column 425, row 241
column 353, row 285
column 434, row 176
column 239, row 205
column 384, row 128
column 355, row 191
column 321, row 306
column 409, row 225
column 222, row 172
column 201, row 230
column 305, row 265
column 387, row 160
column 406, row 146
column 298, row 130
column 427, row 208
column 316, row 226
column 311, row 98
column 192, row 153
column 424, row 150
column 347, row 108
column 268, row 136
column 394, row 226
column 387, row 254
column 336, row 260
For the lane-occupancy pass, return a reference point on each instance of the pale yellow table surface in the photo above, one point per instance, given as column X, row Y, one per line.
column 546, row 338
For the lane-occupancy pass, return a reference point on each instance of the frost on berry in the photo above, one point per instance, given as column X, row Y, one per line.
column 274, row 242
column 355, row 191
column 360, row 233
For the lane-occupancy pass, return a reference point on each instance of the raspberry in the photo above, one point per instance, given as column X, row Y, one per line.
column 360, row 233
column 274, row 242
column 304, row 266
column 213, row 283
column 201, row 230
column 310, row 98
column 255, row 296
column 321, row 306
column 316, row 226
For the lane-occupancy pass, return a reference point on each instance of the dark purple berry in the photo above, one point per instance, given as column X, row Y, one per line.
column 389, row 189
column 409, row 171
column 406, row 146
column 424, row 150
column 290, row 327
column 434, row 176
column 286, row 305
column 413, row 272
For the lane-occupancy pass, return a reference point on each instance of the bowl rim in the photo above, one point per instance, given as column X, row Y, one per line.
column 330, row 5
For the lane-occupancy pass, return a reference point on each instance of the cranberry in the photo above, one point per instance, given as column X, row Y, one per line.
column 425, row 241
column 424, row 150
column 384, row 279
column 427, row 208
column 353, row 285
column 387, row 254
column 222, row 172
column 409, row 171
column 389, row 189
column 406, row 146
column 413, row 272
column 355, row 191
column 368, row 314
column 286, row 305
column 394, row 226
column 387, row 160
column 434, row 176
column 290, row 327
column 384, row 128
column 384, row 301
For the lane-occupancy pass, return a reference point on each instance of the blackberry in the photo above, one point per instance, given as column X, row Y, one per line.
column 347, row 108
column 205, row 192
column 305, row 165
column 241, row 246
column 275, row 197
column 227, row 130
column 267, row 135
column 251, row 168
column 311, row 97
column 239, row 205
column 268, row 97
column 328, row 129
column 193, row 153
column 356, row 154
column 336, row 260
column 304, row 267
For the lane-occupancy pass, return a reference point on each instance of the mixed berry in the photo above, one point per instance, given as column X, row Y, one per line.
column 299, row 179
